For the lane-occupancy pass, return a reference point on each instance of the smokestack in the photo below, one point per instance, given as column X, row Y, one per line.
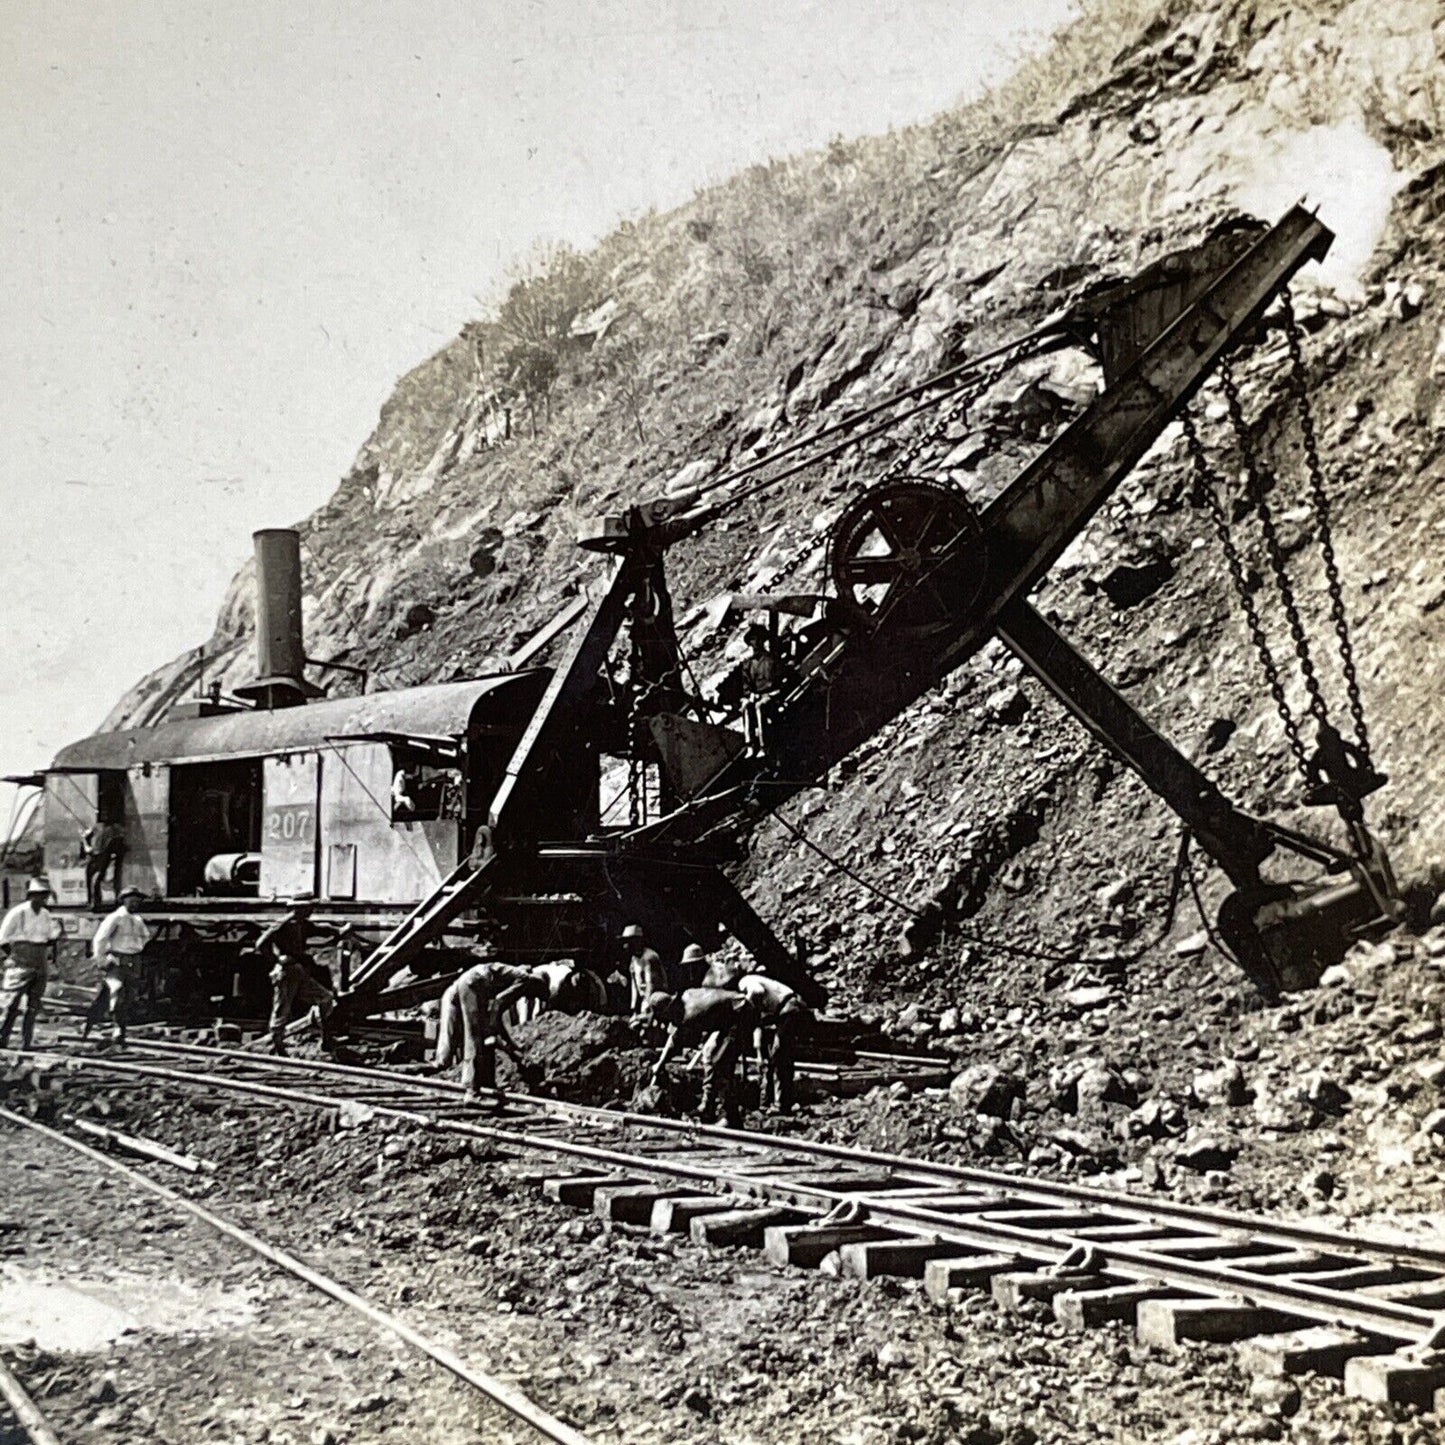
column 280, row 651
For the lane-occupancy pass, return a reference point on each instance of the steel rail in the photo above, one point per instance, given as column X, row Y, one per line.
column 512, row 1400
column 1031, row 1190
column 1293, row 1296
column 26, row 1411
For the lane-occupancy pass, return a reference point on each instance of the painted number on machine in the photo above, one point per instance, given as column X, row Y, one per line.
column 291, row 823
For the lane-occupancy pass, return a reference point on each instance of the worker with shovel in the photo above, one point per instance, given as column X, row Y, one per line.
column 723, row 1021
column 473, row 1023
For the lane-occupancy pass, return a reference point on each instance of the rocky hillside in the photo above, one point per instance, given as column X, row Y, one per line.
column 774, row 303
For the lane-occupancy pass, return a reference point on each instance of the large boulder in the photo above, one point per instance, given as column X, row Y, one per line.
column 985, row 1089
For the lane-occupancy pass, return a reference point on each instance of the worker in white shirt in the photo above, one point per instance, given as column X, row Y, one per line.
column 782, row 1019
column 116, row 949
column 29, row 937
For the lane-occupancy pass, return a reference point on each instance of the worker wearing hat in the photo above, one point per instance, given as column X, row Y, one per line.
column 723, row 1022
column 116, row 949
column 294, row 972
column 646, row 975
column 691, row 967
column 756, row 684
column 29, row 938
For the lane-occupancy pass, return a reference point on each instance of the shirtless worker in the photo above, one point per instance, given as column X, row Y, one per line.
column 646, row 974
column 472, row 1022
column 116, row 949
column 782, row 1018
column 723, row 1018
column 29, row 937
column 292, row 979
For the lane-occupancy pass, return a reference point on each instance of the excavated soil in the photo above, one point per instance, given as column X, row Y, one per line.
column 1324, row 1107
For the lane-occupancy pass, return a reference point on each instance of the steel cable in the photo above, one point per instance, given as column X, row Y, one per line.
column 982, row 940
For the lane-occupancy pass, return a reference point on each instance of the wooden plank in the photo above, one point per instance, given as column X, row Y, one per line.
column 675, row 1215
column 577, row 1190
column 629, row 1203
column 1084, row 1309
column 805, row 1245
column 1319, row 1350
column 943, row 1277
column 740, row 1226
column 1015, row 1288
column 900, row 1258
column 1169, row 1323
column 1401, row 1379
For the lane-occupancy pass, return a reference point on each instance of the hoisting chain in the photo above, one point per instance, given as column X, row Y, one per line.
column 636, row 768
column 1211, row 487
column 1273, row 550
column 949, row 410
column 1320, row 498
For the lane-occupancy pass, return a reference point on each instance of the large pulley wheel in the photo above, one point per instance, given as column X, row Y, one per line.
column 909, row 555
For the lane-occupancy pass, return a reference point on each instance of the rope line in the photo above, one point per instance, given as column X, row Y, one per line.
column 955, row 373
column 968, row 936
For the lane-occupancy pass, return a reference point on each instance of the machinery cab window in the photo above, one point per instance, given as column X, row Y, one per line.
column 422, row 790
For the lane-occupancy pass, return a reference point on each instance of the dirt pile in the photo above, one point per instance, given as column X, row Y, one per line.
column 583, row 1057
column 1331, row 1103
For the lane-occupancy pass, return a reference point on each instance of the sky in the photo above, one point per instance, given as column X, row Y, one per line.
column 230, row 225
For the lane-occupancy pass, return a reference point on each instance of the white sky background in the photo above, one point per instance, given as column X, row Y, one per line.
column 230, row 225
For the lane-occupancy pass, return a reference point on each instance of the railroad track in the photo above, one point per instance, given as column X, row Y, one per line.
column 1296, row 1297
column 540, row 1423
column 840, row 1072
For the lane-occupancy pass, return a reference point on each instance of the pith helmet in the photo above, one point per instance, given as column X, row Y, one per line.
column 693, row 954
column 36, row 885
column 632, row 931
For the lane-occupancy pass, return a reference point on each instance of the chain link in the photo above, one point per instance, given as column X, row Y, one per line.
column 901, row 466
column 1211, row 488
column 1320, row 497
column 1275, row 552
